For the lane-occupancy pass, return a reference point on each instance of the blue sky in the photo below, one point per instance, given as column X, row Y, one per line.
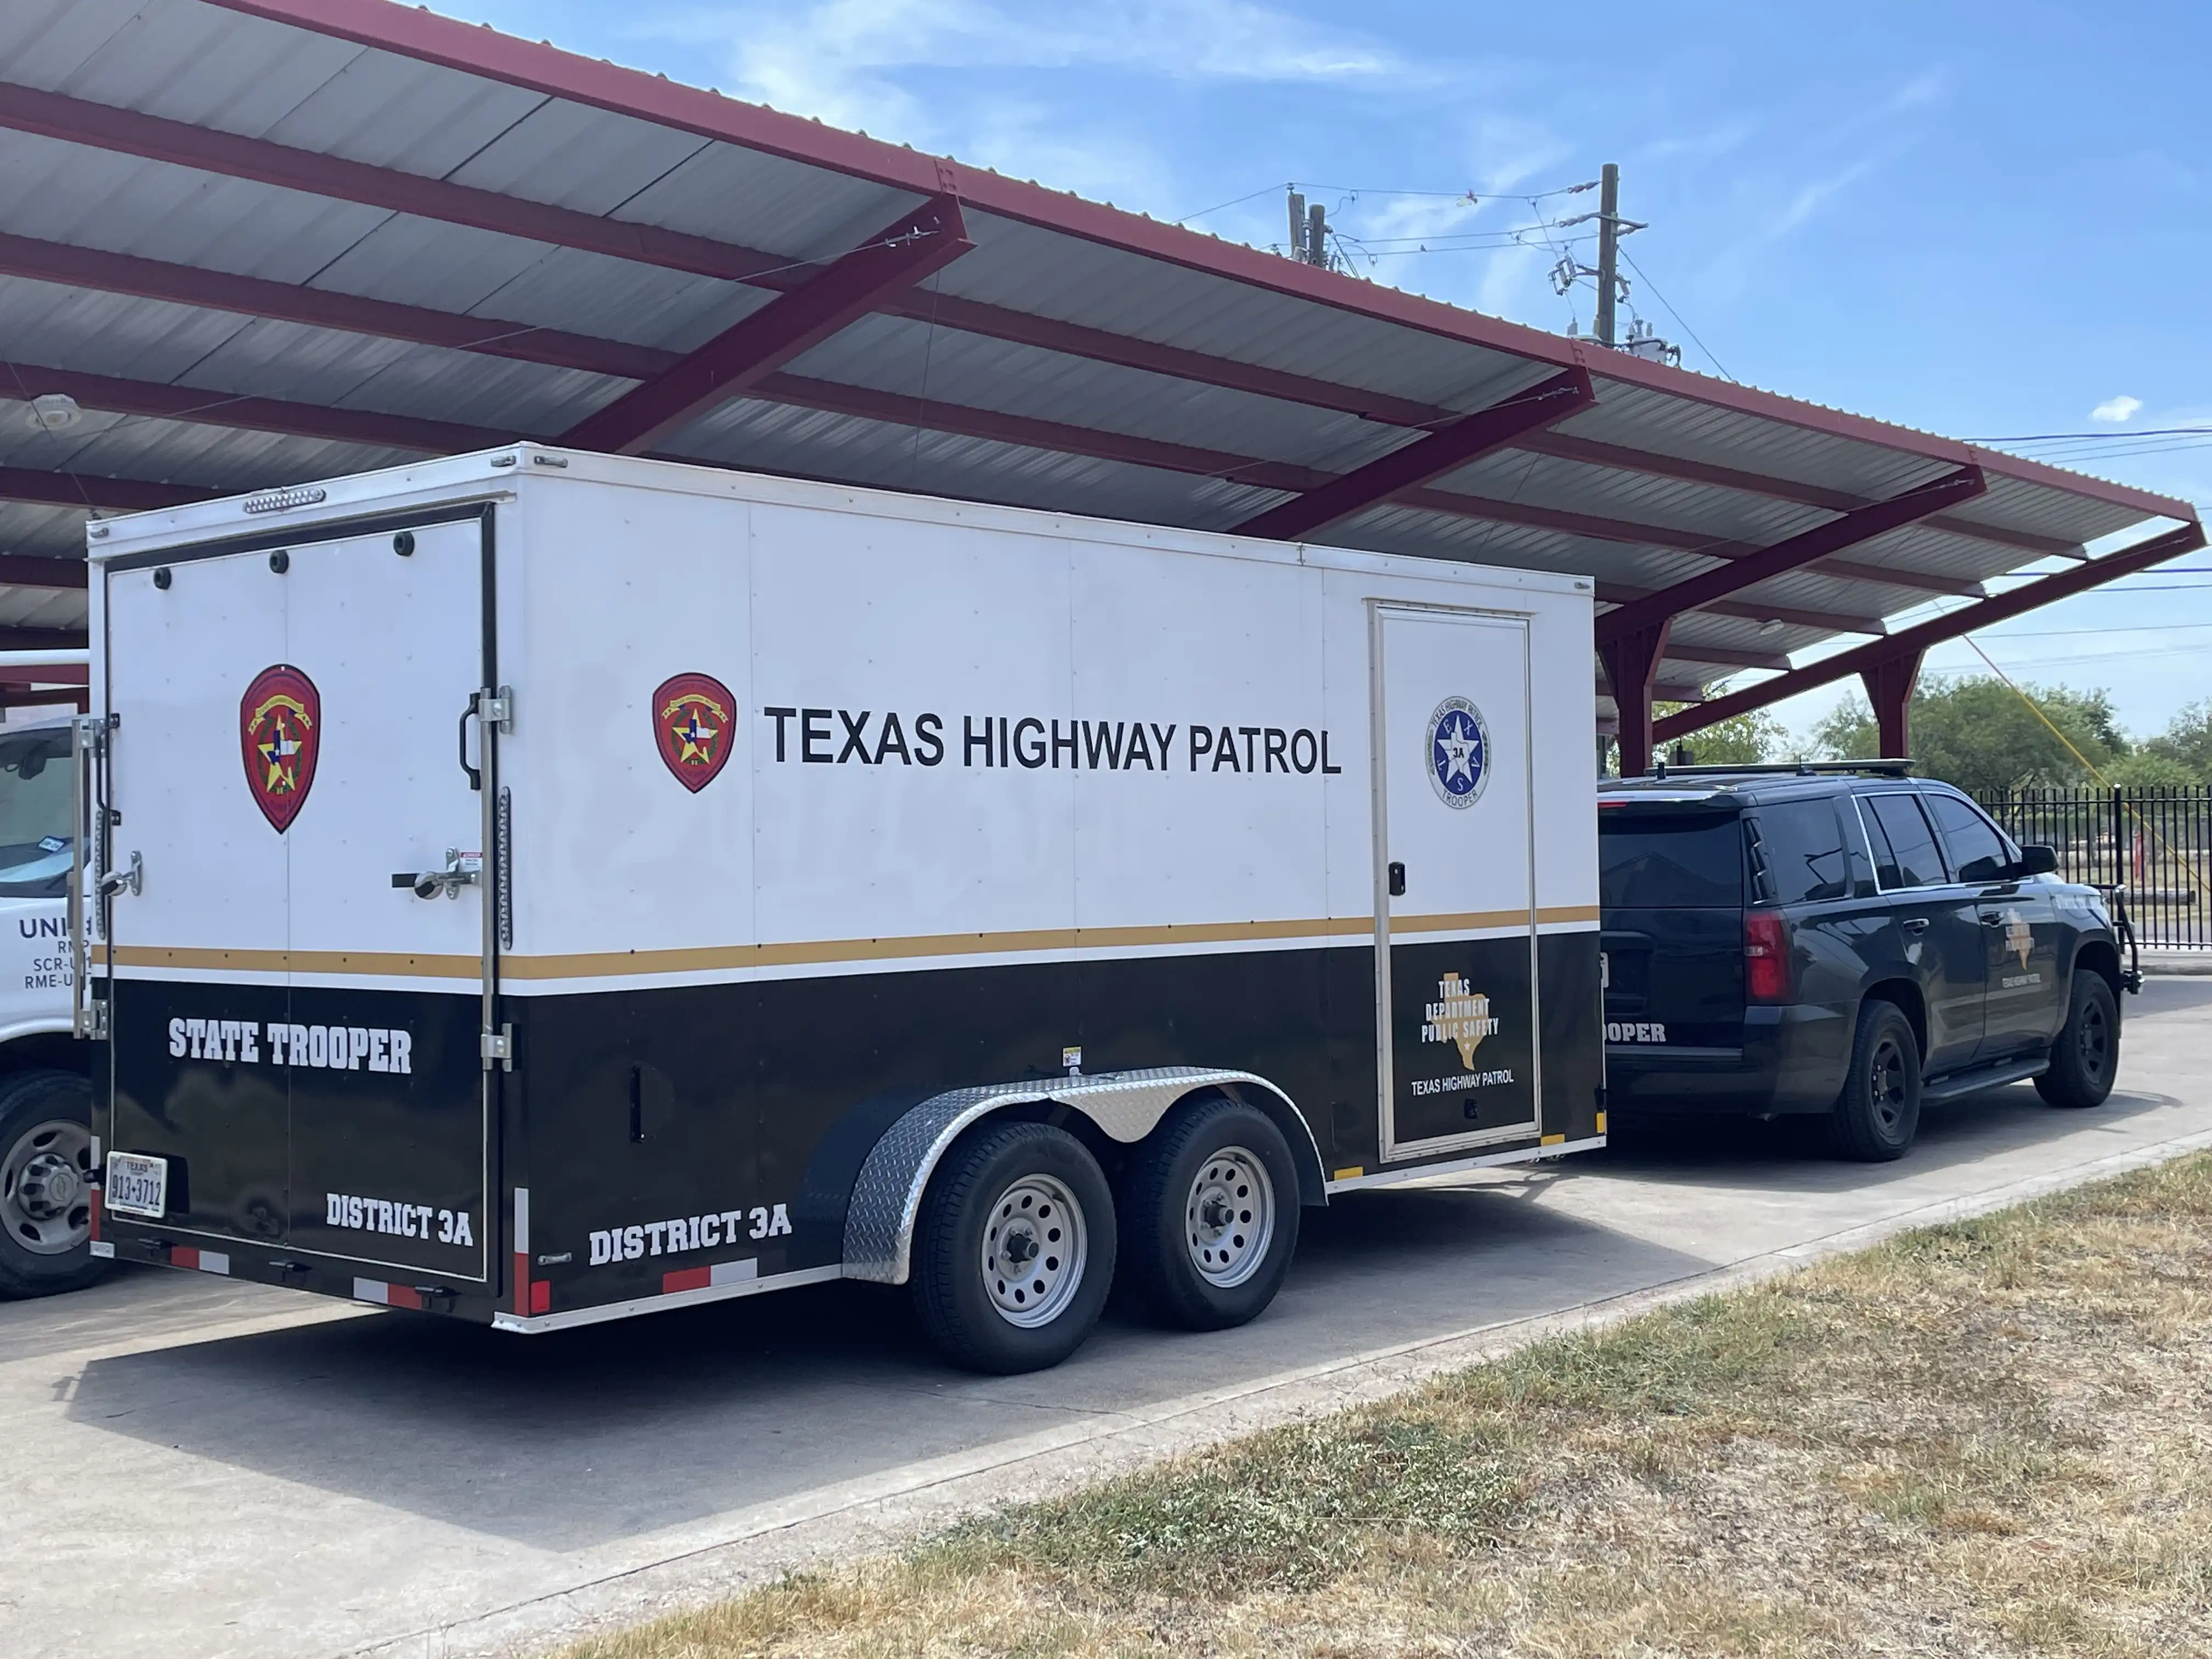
column 1982, row 219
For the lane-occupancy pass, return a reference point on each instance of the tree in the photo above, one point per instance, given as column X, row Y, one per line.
column 2186, row 742
column 1977, row 732
column 1743, row 740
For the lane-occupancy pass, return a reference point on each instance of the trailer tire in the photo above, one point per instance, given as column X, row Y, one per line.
column 2085, row 1056
column 46, row 1200
column 1878, row 1112
column 1014, row 1248
column 1211, row 1207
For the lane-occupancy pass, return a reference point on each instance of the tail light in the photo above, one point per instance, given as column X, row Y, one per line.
column 1765, row 956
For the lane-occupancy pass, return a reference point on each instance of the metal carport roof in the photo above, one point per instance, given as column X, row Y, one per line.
column 261, row 240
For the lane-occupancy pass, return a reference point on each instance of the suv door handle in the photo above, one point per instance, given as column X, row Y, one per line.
column 1916, row 924
column 1991, row 919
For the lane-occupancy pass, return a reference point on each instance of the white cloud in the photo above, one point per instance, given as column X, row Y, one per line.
column 843, row 60
column 2122, row 408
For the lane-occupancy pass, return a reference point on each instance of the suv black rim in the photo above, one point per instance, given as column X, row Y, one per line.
column 1886, row 1085
column 2093, row 1042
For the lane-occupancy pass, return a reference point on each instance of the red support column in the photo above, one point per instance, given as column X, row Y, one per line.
column 1631, row 668
column 1889, row 685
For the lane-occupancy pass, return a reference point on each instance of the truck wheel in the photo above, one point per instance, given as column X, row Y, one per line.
column 1013, row 1251
column 2085, row 1056
column 46, row 1192
column 1878, row 1113
column 1212, row 1204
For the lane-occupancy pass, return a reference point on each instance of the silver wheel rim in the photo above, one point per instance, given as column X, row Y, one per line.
column 46, row 1189
column 1034, row 1249
column 1228, row 1218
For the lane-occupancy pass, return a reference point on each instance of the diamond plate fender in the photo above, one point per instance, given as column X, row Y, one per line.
column 1125, row 1105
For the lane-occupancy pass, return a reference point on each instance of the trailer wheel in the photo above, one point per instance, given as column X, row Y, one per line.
column 1013, row 1251
column 45, row 1193
column 1212, row 1203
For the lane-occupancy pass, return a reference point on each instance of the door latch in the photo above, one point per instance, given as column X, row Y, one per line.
column 1397, row 879
column 462, row 870
column 131, row 879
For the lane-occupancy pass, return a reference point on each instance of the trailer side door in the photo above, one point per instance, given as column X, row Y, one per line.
column 1455, row 878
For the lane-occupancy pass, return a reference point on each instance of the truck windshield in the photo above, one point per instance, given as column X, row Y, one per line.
column 1669, row 861
column 35, row 815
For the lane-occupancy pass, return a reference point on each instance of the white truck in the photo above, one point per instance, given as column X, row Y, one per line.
column 544, row 887
column 46, row 1176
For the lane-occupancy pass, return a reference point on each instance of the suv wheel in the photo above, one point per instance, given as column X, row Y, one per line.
column 2085, row 1056
column 1879, row 1111
column 1014, row 1249
column 45, row 1198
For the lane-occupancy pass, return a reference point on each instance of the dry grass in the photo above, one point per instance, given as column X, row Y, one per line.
column 1989, row 1438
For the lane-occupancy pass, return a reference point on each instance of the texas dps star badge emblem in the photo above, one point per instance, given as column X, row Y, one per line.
column 1460, row 1016
column 1459, row 752
column 280, row 732
column 691, row 716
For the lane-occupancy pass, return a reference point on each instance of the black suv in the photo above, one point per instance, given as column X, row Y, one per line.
column 1851, row 941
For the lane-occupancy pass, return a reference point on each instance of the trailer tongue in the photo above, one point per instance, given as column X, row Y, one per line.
column 545, row 888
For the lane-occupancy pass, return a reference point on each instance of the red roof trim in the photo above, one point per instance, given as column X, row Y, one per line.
column 476, row 50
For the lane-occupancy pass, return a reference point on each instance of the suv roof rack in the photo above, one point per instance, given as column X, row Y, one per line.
column 1885, row 768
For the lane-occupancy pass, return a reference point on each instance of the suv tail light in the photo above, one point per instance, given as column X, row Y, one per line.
column 1765, row 956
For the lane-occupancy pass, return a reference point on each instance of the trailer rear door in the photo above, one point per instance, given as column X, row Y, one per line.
column 1455, row 879
column 295, row 1033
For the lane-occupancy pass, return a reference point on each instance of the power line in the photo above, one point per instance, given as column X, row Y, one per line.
column 2057, row 437
column 1677, row 315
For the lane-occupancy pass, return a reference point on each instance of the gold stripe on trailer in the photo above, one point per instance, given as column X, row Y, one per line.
column 600, row 964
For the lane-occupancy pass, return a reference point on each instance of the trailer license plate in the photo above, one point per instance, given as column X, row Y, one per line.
column 137, row 1184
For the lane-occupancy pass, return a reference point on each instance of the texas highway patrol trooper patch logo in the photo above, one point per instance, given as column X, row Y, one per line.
column 280, row 732
column 1459, row 752
column 692, row 719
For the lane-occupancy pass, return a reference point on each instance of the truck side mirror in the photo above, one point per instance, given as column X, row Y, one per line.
column 2036, row 859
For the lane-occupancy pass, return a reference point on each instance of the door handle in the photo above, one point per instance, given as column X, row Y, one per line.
column 1991, row 919
column 1916, row 924
column 1397, row 880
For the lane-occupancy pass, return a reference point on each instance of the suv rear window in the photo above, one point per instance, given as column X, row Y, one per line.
column 1799, row 854
column 1670, row 860
column 1904, row 852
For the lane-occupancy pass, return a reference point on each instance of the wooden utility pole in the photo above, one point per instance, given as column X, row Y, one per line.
column 1608, row 248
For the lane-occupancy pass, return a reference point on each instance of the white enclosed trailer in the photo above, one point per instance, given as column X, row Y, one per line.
column 575, row 886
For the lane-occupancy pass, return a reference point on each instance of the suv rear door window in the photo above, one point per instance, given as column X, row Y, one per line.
column 1669, row 861
column 1978, row 849
column 1800, row 853
column 1904, row 852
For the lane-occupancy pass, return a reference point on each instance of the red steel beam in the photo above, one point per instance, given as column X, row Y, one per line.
column 2030, row 596
column 1413, row 464
column 258, row 160
column 43, row 639
column 909, row 250
column 1848, row 530
column 73, row 674
column 93, row 492
column 321, row 308
column 27, row 570
column 1838, row 622
column 205, row 408
column 1567, row 446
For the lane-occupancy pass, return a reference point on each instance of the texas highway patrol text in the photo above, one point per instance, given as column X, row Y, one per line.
column 334, row 1048
column 840, row 736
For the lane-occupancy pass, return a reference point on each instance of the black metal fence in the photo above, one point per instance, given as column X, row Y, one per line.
column 2153, row 845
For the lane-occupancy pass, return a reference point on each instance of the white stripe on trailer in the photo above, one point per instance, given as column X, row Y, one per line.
column 373, row 1290
column 556, row 1321
column 214, row 1262
column 735, row 1272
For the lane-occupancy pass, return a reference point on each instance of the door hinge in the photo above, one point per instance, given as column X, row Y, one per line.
column 499, row 1046
column 499, row 710
column 92, row 1021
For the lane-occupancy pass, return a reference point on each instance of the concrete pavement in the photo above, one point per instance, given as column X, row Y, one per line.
column 200, row 1468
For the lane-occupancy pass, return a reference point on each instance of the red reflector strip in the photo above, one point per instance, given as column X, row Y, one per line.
column 389, row 1296
column 93, row 1196
column 541, row 1296
column 184, row 1256
column 701, row 1279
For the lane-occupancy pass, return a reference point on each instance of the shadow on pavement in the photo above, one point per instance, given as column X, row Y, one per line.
column 612, row 1432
